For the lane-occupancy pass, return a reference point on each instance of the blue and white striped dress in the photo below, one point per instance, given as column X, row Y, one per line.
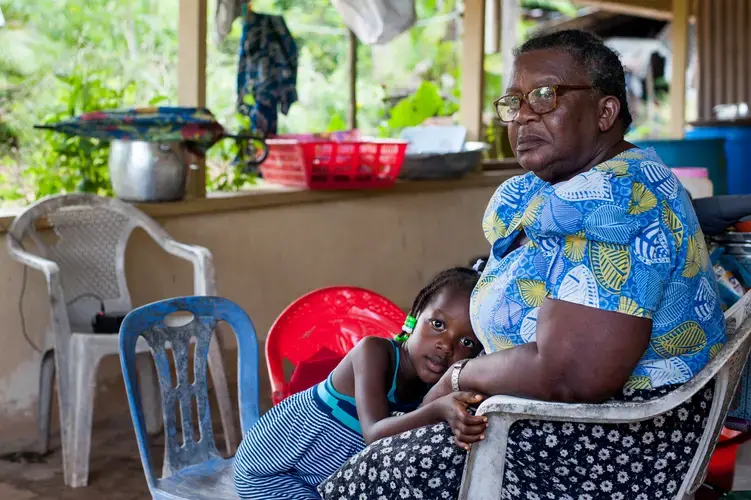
column 302, row 441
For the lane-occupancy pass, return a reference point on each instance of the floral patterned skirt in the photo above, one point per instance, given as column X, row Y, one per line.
column 555, row 460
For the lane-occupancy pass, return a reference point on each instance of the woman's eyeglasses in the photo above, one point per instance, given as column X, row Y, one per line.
column 541, row 100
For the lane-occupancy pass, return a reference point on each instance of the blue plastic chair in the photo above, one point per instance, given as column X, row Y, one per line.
column 193, row 468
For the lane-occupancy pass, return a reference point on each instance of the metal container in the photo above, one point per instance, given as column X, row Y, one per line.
column 443, row 166
column 733, row 237
column 148, row 172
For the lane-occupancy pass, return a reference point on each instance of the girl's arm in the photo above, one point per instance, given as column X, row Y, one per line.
column 371, row 360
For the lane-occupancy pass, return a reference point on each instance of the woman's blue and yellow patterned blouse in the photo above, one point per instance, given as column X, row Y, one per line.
column 621, row 237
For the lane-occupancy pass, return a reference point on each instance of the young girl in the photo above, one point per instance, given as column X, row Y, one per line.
column 308, row 436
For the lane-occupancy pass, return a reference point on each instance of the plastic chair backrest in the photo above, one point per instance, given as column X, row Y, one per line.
column 88, row 245
column 334, row 318
column 181, row 398
column 738, row 324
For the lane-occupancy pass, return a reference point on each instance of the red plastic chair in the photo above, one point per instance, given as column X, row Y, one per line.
column 317, row 330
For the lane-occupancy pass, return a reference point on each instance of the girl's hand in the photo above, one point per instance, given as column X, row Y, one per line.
column 467, row 428
column 440, row 389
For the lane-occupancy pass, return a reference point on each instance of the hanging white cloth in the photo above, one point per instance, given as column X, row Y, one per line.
column 226, row 13
column 377, row 21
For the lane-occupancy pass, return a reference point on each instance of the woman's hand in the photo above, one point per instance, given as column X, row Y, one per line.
column 467, row 428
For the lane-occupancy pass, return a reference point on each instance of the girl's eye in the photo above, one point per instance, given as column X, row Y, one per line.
column 437, row 324
column 467, row 342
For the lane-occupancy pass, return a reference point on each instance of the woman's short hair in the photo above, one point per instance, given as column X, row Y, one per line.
column 601, row 62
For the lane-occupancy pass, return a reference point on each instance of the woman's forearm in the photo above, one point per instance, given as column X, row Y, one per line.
column 522, row 371
column 392, row 426
column 513, row 372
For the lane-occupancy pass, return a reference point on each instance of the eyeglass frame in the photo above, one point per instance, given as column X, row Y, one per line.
column 523, row 98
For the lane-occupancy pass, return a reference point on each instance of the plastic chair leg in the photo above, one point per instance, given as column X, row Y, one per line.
column 81, row 407
column 150, row 393
column 219, row 378
column 44, row 407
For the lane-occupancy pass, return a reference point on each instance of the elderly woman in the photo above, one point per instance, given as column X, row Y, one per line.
column 598, row 287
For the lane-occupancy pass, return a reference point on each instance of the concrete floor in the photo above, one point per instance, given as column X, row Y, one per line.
column 116, row 472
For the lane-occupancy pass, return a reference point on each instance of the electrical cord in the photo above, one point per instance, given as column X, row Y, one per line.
column 22, row 294
column 87, row 296
column 20, row 310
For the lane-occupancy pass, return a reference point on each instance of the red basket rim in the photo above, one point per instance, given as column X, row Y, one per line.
column 327, row 141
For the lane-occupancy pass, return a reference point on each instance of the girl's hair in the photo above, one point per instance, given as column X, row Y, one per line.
column 457, row 279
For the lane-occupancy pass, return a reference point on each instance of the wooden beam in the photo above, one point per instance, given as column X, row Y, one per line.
column 679, row 34
column 473, row 71
column 652, row 9
column 352, row 62
column 191, row 73
column 492, row 26
column 510, row 16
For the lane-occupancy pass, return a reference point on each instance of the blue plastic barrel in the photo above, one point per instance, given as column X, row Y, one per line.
column 694, row 152
column 737, row 153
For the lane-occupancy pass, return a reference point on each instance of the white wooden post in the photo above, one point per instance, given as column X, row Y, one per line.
column 191, row 73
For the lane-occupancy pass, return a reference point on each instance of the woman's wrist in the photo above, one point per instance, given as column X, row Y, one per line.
column 455, row 373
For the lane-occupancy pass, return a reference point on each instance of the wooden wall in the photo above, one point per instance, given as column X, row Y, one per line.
column 724, row 51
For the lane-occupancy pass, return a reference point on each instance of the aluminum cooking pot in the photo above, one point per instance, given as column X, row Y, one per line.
column 147, row 172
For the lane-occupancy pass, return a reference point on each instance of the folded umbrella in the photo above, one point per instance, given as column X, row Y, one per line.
column 196, row 127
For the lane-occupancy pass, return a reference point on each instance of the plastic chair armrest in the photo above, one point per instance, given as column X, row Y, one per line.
column 202, row 260
column 46, row 266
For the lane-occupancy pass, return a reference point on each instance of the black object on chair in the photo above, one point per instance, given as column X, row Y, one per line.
column 717, row 213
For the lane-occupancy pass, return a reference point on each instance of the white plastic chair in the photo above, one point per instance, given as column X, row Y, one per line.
column 483, row 471
column 83, row 260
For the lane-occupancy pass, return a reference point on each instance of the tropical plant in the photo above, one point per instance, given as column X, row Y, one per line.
column 64, row 57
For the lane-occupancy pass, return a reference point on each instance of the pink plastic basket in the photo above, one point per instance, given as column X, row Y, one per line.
column 327, row 164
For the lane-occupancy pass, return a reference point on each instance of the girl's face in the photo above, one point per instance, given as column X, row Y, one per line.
column 443, row 335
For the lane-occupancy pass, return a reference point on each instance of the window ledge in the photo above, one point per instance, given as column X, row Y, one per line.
column 275, row 196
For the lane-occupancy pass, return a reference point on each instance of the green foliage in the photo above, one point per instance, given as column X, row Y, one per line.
column 228, row 170
column 73, row 163
column 337, row 123
column 425, row 103
column 70, row 56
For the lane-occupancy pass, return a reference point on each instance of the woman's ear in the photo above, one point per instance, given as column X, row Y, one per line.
column 610, row 109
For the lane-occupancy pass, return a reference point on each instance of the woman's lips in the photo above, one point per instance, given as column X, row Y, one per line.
column 528, row 143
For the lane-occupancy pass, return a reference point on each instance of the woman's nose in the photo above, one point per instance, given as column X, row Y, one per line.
column 525, row 114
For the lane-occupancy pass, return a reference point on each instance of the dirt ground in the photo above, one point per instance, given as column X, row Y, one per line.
column 115, row 472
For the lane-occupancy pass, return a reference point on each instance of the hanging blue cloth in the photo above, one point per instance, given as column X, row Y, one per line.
column 267, row 71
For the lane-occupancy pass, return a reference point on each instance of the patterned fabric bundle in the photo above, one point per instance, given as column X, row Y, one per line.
column 267, row 72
